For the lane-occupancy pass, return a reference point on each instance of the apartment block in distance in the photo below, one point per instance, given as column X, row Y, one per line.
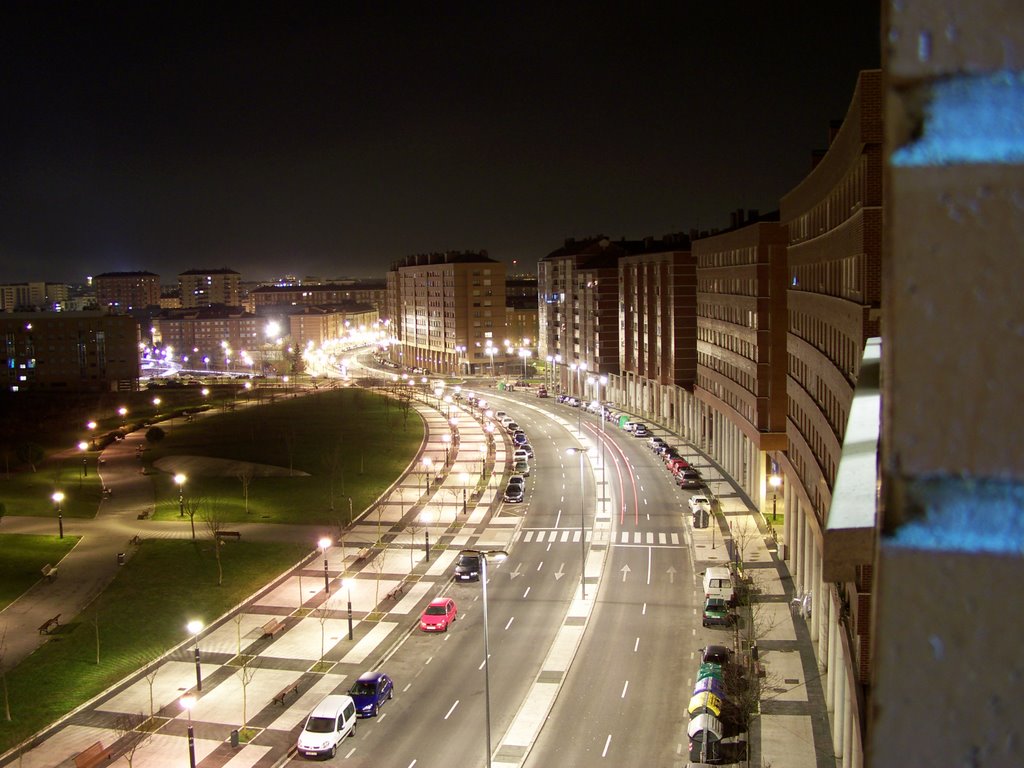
column 658, row 326
column 208, row 287
column 447, row 312
column 33, row 297
column 69, row 352
column 124, row 292
column 214, row 338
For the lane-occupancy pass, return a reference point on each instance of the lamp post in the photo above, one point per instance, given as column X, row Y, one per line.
column 774, row 481
column 123, row 413
column 447, row 440
column 92, row 433
column 428, row 464
column 499, row 555
column 465, row 482
column 194, row 627
column 180, row 480
column 347, row 584
column 58, row 497
column 490, row 353
column 603, row 381
column 425, row 518
column 187, row 702
column 583, row 535
column 83, row 447
column 324, row 543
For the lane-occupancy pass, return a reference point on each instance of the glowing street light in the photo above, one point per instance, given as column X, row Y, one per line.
column 180, row 480
column 58, row 497
column 498, row 555
column 774, row 481
column 187, row 702
column 123, row 413
column 83, row 447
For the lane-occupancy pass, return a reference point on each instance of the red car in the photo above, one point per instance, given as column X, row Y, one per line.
column 439, row 615
column 677, row 465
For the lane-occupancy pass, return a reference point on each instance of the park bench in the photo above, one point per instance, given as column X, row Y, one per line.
column 97, row 754
column 283, row 693
column 136, row 539
column 229, row 535
column 51, row 623
column 143, row 514
column 396, row 591
column 362, row 554
column 49, row 571
column 272, row 627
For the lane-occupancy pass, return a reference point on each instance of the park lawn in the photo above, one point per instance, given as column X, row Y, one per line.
column 141, row 615
column 351, row 441
column 31, row 493
column 22, row 559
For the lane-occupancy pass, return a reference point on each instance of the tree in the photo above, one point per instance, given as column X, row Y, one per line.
column 190, row 507
column 154, row 435
column 30, row 453
column 3, row 674
column 245, row 476
column 129, row 736
column 214, row 522
column 151, row 673
column 250, row 665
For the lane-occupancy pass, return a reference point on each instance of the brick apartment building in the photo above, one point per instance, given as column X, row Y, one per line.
column 208, row 287
column 124, row 292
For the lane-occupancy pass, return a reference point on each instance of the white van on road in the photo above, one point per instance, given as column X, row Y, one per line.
column 718, row 583
column 328, row 724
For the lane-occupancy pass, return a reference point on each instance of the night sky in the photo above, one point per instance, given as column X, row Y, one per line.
column 333, row 138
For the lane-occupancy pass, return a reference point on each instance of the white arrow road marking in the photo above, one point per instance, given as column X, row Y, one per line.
column 671, row 575
column 516, row 572
column 625, row 570
column 560, row 572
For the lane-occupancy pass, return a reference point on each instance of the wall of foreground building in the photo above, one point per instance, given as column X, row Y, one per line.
column 950, row 561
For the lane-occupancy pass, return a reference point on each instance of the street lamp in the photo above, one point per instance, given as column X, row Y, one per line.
column 324, row 543
column 347, row 584
column 194, row 627
column 187, row 702
column 425, row 518
column 123, row 412
column 774, row 481
column 498, row 555
column 180, row 480
column 92, row 433
column 583, row 536
column 447, row 440
column 428, row 464
column 465, row 481
column 83, row 447
column 490, row 353
column 58, row 497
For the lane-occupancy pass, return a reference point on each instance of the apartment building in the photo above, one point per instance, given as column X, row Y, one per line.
column 208, row 287
column 371, row 292
column 69, row 352
column 216, row 338
column 448, row 312
column 833, row 220
column 126, row 292
column 33, row 297
column 317, row 325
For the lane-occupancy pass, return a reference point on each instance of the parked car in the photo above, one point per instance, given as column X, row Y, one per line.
column 328, row 724
column 716, row 612
column 517, row 480
column 690, row 478
column 521, row 468
column 439, row 615
column 655, row 443
column 370, row 691
column 513, row 493
column 520, row 454
column 716, row 654
column 512, row 427
column 519, row 438
column 526, row 447
column 677, row 464
column 640, row 430
column 542, row 392
column 699, row 502
column 467, row 567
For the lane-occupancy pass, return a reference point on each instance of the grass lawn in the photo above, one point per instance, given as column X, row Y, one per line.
column 22, row 559
column 347, row 442
column 141, row 614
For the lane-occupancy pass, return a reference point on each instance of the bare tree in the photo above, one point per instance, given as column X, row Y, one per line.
column 214, row 522
column 151, row 673
column 126, row 726
column 754, row 622
column 245, row 476
column 191, row 507
column 250, row 666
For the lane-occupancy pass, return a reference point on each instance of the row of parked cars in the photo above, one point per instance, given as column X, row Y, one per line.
column 522, row 452
column 685, row 475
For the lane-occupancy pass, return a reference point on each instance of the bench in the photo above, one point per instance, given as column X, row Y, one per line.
column 135, row 539
column 49, row 571
column 283, row 693
column 362, row 554
column 394, row 593
column 236, row 535
column 51, row 623
column 272, row 627
column 143, row 514
column 94, row 755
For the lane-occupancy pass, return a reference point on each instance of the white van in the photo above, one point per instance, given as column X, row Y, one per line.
column 331, row 720
column 499, row 415
column 718, row 583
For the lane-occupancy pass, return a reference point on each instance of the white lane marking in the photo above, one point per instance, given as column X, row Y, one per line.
column 510, row 622
column 540, row 565
column 412, row 764
column 407, row 687
column 625, row 687
column 607, row 743
column 650, row 550
column 429, row 659
column 636, row 645
column 350, row 753
column 644, row 611
column 548, row 547
column 452, row 709
column 527, row 591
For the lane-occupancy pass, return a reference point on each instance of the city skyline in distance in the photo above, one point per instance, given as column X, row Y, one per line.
column 332, row 142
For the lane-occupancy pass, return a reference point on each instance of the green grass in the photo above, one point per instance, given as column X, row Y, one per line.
column 22, row 559
column 141, row 615
column 351, row 439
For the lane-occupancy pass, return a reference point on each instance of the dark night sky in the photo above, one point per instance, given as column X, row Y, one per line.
column 332, row 138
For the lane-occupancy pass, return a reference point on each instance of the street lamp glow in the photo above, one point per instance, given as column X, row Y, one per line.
column 194, row 627
column 324, row 543
column 58, row 497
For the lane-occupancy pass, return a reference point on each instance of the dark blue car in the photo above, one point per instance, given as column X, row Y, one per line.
column 370, row 691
